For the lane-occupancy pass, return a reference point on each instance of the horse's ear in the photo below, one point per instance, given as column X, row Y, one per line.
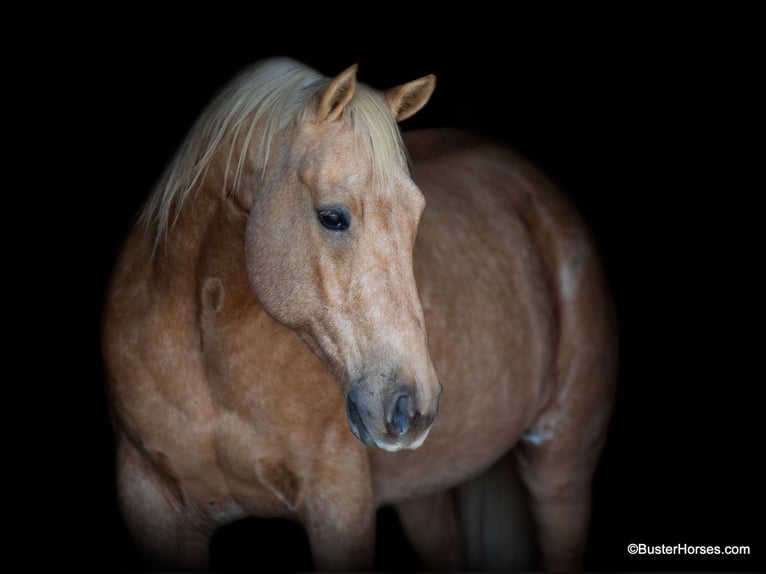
column 337, row 95
column 407, row 99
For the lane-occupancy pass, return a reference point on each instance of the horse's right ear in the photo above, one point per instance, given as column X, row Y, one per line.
column 337, row 94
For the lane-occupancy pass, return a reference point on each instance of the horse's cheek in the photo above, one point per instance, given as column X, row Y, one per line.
column 280, row 276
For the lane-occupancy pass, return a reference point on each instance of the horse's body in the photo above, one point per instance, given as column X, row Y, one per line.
column 227, row 403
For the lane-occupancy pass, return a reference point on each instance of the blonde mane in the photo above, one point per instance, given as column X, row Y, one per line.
column 250, row 112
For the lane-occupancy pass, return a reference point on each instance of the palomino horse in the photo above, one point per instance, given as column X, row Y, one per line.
column 266, row 301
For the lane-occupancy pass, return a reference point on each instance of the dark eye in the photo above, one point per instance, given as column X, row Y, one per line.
column 334, row 219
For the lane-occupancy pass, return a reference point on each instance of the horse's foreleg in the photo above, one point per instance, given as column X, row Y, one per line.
column 430, row 524
column 338, row 514
column 341, row 540
column 154, row 515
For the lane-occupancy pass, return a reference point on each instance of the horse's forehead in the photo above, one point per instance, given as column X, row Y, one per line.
column 331, row 157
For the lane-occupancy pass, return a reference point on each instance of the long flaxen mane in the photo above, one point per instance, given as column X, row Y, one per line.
column 264, row 101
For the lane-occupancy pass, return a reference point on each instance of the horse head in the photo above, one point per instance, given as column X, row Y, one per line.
column 329, row 246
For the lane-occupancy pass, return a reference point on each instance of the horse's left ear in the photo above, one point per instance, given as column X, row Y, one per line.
column 337, row 94
column 407, row 99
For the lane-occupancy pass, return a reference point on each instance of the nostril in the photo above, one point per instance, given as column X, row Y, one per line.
column 400, row 414
column 353, row 411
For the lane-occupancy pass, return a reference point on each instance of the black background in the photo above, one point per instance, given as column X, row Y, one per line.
column 652, row 123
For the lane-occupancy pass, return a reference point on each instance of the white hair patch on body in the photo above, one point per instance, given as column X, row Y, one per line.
column 571, row 271
column 537, row 435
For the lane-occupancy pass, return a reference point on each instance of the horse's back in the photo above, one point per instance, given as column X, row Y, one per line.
column 500, row 239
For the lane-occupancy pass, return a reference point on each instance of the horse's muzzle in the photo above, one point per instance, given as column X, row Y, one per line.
column 391, row 422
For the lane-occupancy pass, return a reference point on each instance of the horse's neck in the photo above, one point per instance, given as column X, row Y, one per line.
column 207, row 241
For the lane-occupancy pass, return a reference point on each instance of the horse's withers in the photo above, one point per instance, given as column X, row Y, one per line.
column 329, row 246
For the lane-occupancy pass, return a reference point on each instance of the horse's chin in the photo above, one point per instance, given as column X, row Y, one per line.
column 391, row 446
column 410, row 445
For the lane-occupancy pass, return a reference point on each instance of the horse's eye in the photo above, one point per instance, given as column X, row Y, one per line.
column 334, row 219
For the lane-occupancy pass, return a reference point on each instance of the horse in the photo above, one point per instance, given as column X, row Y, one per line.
column 316, row 314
